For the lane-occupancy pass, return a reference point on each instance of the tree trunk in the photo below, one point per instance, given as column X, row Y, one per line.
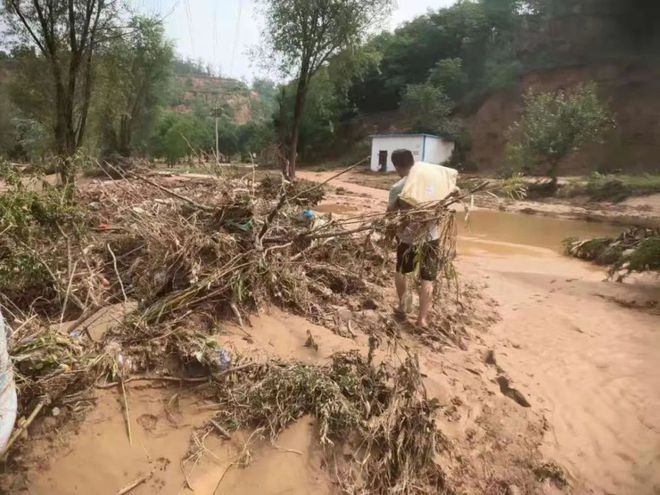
column 124, row 145
column 297, row 118
column 64, row 135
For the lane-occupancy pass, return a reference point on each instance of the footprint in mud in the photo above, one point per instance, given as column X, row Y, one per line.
column 504, row 382
column 148, row 422
column 510, row 392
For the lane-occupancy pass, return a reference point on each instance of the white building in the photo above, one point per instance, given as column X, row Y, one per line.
column 424, row 147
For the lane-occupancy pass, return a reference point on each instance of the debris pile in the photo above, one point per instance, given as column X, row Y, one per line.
column 635, row 250
column 187, row 252
column 383, row 414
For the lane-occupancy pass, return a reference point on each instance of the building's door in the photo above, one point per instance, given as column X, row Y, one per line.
column 382, row 161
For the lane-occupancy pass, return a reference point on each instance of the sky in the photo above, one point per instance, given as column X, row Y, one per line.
column 222, row 32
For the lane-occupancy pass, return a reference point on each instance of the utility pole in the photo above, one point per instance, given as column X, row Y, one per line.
column 217, row 112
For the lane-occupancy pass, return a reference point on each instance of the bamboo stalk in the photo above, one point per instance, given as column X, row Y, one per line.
column 135, row 484
column 24, row 426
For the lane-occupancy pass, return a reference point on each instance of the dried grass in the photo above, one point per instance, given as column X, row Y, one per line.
column 193, row 251
column 383, row 413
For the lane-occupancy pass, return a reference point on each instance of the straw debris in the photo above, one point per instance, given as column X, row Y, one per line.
column 382, row 412
column 635, row 250
column 193, row 251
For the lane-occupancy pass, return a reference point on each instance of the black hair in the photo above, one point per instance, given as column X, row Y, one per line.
column 403, row 158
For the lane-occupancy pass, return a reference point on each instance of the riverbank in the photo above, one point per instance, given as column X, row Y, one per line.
column 421, row 404
column 635, row 210
column 584, row 350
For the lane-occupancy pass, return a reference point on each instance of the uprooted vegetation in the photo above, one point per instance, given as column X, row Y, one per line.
column 635, row 250
column 189, row 252
column 380, row 411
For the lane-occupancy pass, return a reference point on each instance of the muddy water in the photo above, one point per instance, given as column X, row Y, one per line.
column 509, row 233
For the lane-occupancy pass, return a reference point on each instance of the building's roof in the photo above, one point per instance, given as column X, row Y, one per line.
column 403, row 134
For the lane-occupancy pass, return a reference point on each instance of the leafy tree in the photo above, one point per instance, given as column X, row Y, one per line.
column 448, row 75
column 180, row 135
column 133, row 72
column 254, row 137
column 554, row 125
column 304, row 34
column 412, row 53
column 32, row 101
column 67, row 34
column 7, row 138
column 428, row 109
column 32, row 140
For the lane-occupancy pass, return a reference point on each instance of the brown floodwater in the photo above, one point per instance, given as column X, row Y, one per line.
column 504, row 233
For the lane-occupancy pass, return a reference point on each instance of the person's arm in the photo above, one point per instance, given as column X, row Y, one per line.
column 393, row 202
column 392, row 206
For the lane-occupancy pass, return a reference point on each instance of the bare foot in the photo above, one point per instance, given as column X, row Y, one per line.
column 423, row 324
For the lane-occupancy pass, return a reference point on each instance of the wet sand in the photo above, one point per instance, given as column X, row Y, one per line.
column 585, row 351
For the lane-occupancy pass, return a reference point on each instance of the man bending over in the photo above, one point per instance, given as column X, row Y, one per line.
column 417, row 245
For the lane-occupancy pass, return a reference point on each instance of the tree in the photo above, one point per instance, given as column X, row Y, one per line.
column 447, row 74
column 304, row 34
column 554, row 125
column 180, row 135
column 428, row 109
column 67, row 34
column 132, row 71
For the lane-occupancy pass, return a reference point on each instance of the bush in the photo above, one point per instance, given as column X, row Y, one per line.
column 636, row 250
column 428, row 109
column 553, row 126
column 600, row 187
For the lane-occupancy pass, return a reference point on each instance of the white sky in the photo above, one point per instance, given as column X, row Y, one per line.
column 190, row 23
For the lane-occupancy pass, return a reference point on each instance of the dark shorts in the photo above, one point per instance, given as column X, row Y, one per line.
column 426, row 255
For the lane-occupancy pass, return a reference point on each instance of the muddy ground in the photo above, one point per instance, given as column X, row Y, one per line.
column 558, row 382
column 585, row 350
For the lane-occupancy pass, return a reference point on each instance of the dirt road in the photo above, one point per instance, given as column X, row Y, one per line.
column 586, row 352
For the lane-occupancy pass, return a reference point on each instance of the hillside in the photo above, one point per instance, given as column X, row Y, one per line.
column 630, row 90
column 232, row 95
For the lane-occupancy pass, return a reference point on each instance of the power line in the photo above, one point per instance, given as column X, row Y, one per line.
column 190, row 27
column 215, row 34
column 236, row 35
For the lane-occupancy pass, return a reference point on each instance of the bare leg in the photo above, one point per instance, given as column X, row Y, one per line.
column 401, row 286
column 425, row 300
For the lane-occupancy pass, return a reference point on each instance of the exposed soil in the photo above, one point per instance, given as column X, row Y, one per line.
column 627, row 88
column 581, row 353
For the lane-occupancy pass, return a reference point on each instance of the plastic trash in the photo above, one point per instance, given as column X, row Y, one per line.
column 223, row 359
column 8, row 402
column 309, row 214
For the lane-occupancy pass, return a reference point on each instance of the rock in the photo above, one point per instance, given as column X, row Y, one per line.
column 345, row 315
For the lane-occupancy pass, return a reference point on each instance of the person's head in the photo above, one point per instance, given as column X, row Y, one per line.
column 403, row 161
